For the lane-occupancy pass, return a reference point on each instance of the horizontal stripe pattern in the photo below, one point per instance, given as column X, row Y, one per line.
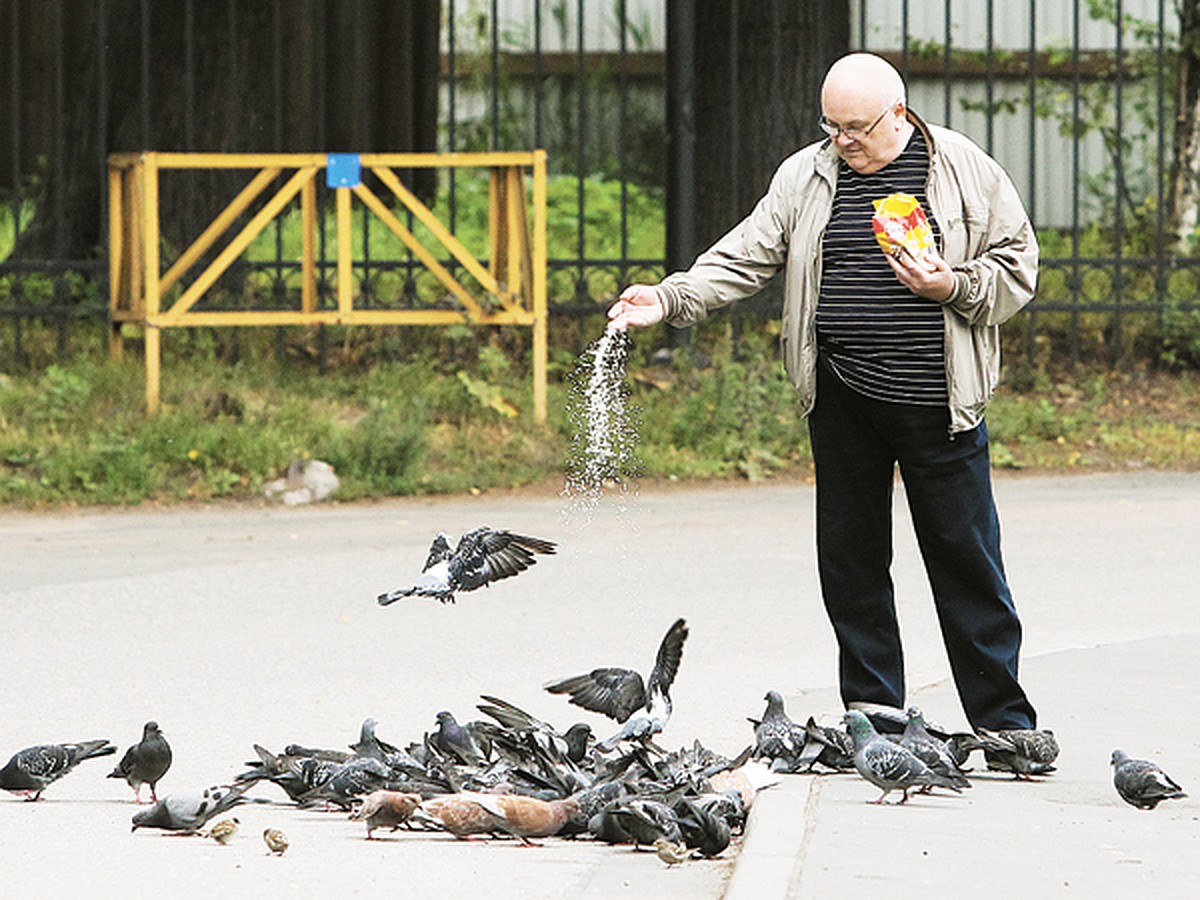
column 882, row 340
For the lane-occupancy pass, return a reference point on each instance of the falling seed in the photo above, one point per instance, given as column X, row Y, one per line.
column 604, row 432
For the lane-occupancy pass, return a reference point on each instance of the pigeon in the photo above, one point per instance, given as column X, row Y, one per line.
column 460, row 814
column 356, row 776
column 930, row 750
column 572, row 745
column 1142, row 783
column 480, row 557
column 829, row 746
column 672, row 853
column 961, row 745
column 386, row 809
column 32, row 770
column 620, row 693
column 145, row 762
column 529, row 817
column 636, row 820
column 456, row 741
column 775, row 735
column 1023, row 751
column 188, row 811
column 886, row 764
column 275, row 840
column 703, row 830
column 222, row 832
column 368, row 744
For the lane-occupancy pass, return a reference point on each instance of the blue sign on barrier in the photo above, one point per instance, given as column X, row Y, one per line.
column 343, row 170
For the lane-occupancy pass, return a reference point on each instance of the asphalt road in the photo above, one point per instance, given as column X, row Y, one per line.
column 232, row 626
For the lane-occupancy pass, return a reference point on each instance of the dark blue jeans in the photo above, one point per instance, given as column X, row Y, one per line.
column 857, row 443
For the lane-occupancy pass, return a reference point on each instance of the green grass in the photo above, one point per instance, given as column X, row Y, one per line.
column 452, row 414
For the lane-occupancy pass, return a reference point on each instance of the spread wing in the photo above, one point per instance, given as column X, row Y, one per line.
column 670, row 654
column 615, row 692
column 483, row 556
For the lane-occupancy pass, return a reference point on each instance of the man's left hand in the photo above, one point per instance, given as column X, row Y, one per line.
column 930, row 277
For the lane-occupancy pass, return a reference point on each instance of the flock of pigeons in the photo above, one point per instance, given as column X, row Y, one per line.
column 919, row 756
column 508, row 773
column 516, row 775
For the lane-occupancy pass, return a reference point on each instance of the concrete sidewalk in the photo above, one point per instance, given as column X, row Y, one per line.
column 233, row 625
column 1105, row 569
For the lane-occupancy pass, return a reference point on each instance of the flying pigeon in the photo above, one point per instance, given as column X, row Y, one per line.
column 275, row 840
column 1023, row 751
column 886, row 764
column 145, row 762
column 620, row 693
column 32, row 770
column 481, row 557
column 1142, row 783
column 188, row 811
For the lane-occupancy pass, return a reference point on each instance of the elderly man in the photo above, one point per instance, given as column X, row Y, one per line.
column 895, row 357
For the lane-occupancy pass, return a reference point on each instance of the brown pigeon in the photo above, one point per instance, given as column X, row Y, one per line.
column 386, row 809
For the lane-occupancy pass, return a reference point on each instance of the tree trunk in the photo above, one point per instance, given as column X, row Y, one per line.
column 757, row 81
column 1184, row 207
column 235, row 76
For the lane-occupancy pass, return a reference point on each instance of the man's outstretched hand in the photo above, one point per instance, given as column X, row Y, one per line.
column 639, row 305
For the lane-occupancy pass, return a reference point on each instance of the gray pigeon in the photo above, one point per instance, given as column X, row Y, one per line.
column 620, row 693
column 886, row 764
column 32, row 770
column 702, row 830
column 456, row 741
column 930, row 750
column 145, row 762
column 187, row 811
column 1023, row 751
column 369, row 745
column 636, row 820
column 776, row 736
column 1142, row 783
column 826, row 745
column 481, row 557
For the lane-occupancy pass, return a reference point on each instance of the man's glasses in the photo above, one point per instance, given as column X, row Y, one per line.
column 833, row 129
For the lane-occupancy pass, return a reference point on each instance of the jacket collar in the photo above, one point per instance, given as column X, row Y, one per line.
column 827, row 158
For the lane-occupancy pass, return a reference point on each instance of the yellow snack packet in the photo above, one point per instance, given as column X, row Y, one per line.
column 900, row 225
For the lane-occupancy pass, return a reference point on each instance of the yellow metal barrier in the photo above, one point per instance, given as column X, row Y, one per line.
column 515, row 275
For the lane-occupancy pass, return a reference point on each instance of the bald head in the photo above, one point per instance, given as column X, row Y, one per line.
column 863, row 78
column 863, row 97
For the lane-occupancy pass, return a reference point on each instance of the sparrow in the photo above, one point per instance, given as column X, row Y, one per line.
column 275, row 840
column 222, row 832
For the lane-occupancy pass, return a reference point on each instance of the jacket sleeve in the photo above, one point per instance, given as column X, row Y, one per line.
column 1000, row 275
column 737, row 265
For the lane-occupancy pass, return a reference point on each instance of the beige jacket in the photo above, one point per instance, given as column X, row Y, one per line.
column 986, row 237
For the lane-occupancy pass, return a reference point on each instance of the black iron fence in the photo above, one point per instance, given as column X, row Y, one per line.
column 1076, row 99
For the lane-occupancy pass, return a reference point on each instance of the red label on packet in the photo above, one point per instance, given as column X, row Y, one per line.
column 900, row 226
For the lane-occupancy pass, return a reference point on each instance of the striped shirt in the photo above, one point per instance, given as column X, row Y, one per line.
column 883, row 340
